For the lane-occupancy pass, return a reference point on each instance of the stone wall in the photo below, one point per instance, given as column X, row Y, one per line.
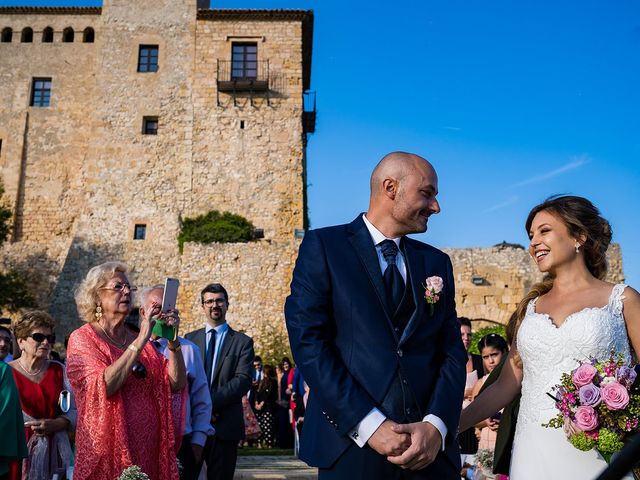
column 80, row 174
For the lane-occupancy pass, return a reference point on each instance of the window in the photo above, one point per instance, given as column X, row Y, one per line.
column 47, row 35
column 148, row 58
column 27, row 35
column 244, row 61
column 67, row 35
column 41, row 92
column 88, row 36
column 139, row 231
column 150, row 125
column 7, row 35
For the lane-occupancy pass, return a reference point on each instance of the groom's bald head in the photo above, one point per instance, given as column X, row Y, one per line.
column 395, row 165
column 403, row 191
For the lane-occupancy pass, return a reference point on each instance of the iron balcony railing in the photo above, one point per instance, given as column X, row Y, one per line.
column 243, row 76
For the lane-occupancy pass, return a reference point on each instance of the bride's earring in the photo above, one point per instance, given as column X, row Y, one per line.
column 577, row 247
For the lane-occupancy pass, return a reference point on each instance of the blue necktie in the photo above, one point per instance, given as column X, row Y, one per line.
column 392, row 277
column 208, row 361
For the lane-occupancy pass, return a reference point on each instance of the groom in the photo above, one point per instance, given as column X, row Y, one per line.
column 386, row 368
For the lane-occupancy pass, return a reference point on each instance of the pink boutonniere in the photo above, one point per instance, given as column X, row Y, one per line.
column 432, row 288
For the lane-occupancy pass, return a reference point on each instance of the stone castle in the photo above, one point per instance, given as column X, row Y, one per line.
column 118, row 121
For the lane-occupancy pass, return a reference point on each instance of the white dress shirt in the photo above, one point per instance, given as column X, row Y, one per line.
column 369, row 424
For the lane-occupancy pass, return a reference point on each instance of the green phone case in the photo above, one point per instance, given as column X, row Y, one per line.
column 161, row 329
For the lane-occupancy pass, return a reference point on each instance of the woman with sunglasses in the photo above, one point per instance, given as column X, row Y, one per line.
column 130, row 398
column 47, row 408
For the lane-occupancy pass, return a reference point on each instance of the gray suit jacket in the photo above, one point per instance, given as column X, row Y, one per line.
column 231, row 380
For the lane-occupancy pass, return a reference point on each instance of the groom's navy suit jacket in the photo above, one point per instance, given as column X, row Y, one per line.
column 344, row 342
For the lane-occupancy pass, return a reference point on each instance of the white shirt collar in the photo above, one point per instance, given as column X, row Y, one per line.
column 376, row 235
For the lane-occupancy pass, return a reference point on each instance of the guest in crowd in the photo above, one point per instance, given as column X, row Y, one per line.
column 493, row 348
column 13, row 448
column 197, row 427
column 130, row 398
column 6, row 344
column 266, row 397
column 255, row 380
column 47, row 406
column 227, row 363
column 284, row 432
column 467, row 439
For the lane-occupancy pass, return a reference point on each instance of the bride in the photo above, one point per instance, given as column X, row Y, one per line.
column 572, row 315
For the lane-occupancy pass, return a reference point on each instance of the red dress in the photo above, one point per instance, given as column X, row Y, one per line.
column 141, row 424
column 40, row 400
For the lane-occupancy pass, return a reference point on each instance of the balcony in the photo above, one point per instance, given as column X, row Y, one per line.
column 309, row 111
column 235, row 77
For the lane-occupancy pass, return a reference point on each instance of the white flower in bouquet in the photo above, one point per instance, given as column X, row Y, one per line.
column 133, row 473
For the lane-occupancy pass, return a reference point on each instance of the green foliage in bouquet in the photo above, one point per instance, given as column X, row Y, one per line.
column 581, row 441
column 216, row 227
column 133, row 473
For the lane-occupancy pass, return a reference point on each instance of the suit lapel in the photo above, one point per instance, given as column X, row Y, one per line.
column 416, row 267
column 199, row 339
column 224, row 351
column 360, row 238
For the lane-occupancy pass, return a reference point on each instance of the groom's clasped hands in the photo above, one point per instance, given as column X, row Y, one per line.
column 412, row 446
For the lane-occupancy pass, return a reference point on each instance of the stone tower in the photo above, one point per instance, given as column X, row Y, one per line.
column 156, row 111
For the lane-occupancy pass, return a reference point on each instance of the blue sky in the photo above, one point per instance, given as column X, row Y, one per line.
column 511, row 101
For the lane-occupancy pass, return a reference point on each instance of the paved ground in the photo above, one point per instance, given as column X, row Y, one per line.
column 273, row 468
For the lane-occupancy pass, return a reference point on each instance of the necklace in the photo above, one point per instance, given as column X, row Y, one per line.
column 116, row 343
column 29, row 372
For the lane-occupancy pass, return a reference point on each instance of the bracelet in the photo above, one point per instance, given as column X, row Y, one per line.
column 176, row 348
column 133, row 347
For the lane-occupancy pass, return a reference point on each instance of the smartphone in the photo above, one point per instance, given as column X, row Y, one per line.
column 169, row 299
column 170, row 294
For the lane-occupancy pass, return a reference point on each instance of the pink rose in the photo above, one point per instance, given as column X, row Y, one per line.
column 583, row 374
column 434, row 284
column 586, row 418
column 615, row 396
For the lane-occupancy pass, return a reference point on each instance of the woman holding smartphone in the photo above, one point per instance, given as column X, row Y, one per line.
column 131, row 399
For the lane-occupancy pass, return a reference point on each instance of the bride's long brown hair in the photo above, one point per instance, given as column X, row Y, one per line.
column 583, row 220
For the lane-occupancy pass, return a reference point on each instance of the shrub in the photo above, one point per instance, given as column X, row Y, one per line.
column 216, row 227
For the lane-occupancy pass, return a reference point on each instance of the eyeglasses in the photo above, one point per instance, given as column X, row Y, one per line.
column 139, row 370
column 120, row 287
column 217, row 301
column 40, row 337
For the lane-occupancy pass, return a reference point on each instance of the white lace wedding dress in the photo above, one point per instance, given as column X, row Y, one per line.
column 547, row 352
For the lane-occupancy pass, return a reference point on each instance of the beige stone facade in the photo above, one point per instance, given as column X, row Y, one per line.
column 80, row 174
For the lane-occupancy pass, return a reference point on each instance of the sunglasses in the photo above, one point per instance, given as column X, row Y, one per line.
column 40, row 337
column 139, row 370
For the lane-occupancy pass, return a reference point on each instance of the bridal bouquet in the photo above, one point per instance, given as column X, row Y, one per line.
column 598, row 398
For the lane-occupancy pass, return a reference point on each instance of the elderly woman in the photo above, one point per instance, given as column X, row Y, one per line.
column 130, row 398
column 47, row 407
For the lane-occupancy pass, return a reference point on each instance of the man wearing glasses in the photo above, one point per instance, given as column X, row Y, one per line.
column 227, row 357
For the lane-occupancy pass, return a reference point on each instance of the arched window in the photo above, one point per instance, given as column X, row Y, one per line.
column 47, row 35
column 67, row 35
column 89, row 35
column 7, row 35
column 27, row 35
